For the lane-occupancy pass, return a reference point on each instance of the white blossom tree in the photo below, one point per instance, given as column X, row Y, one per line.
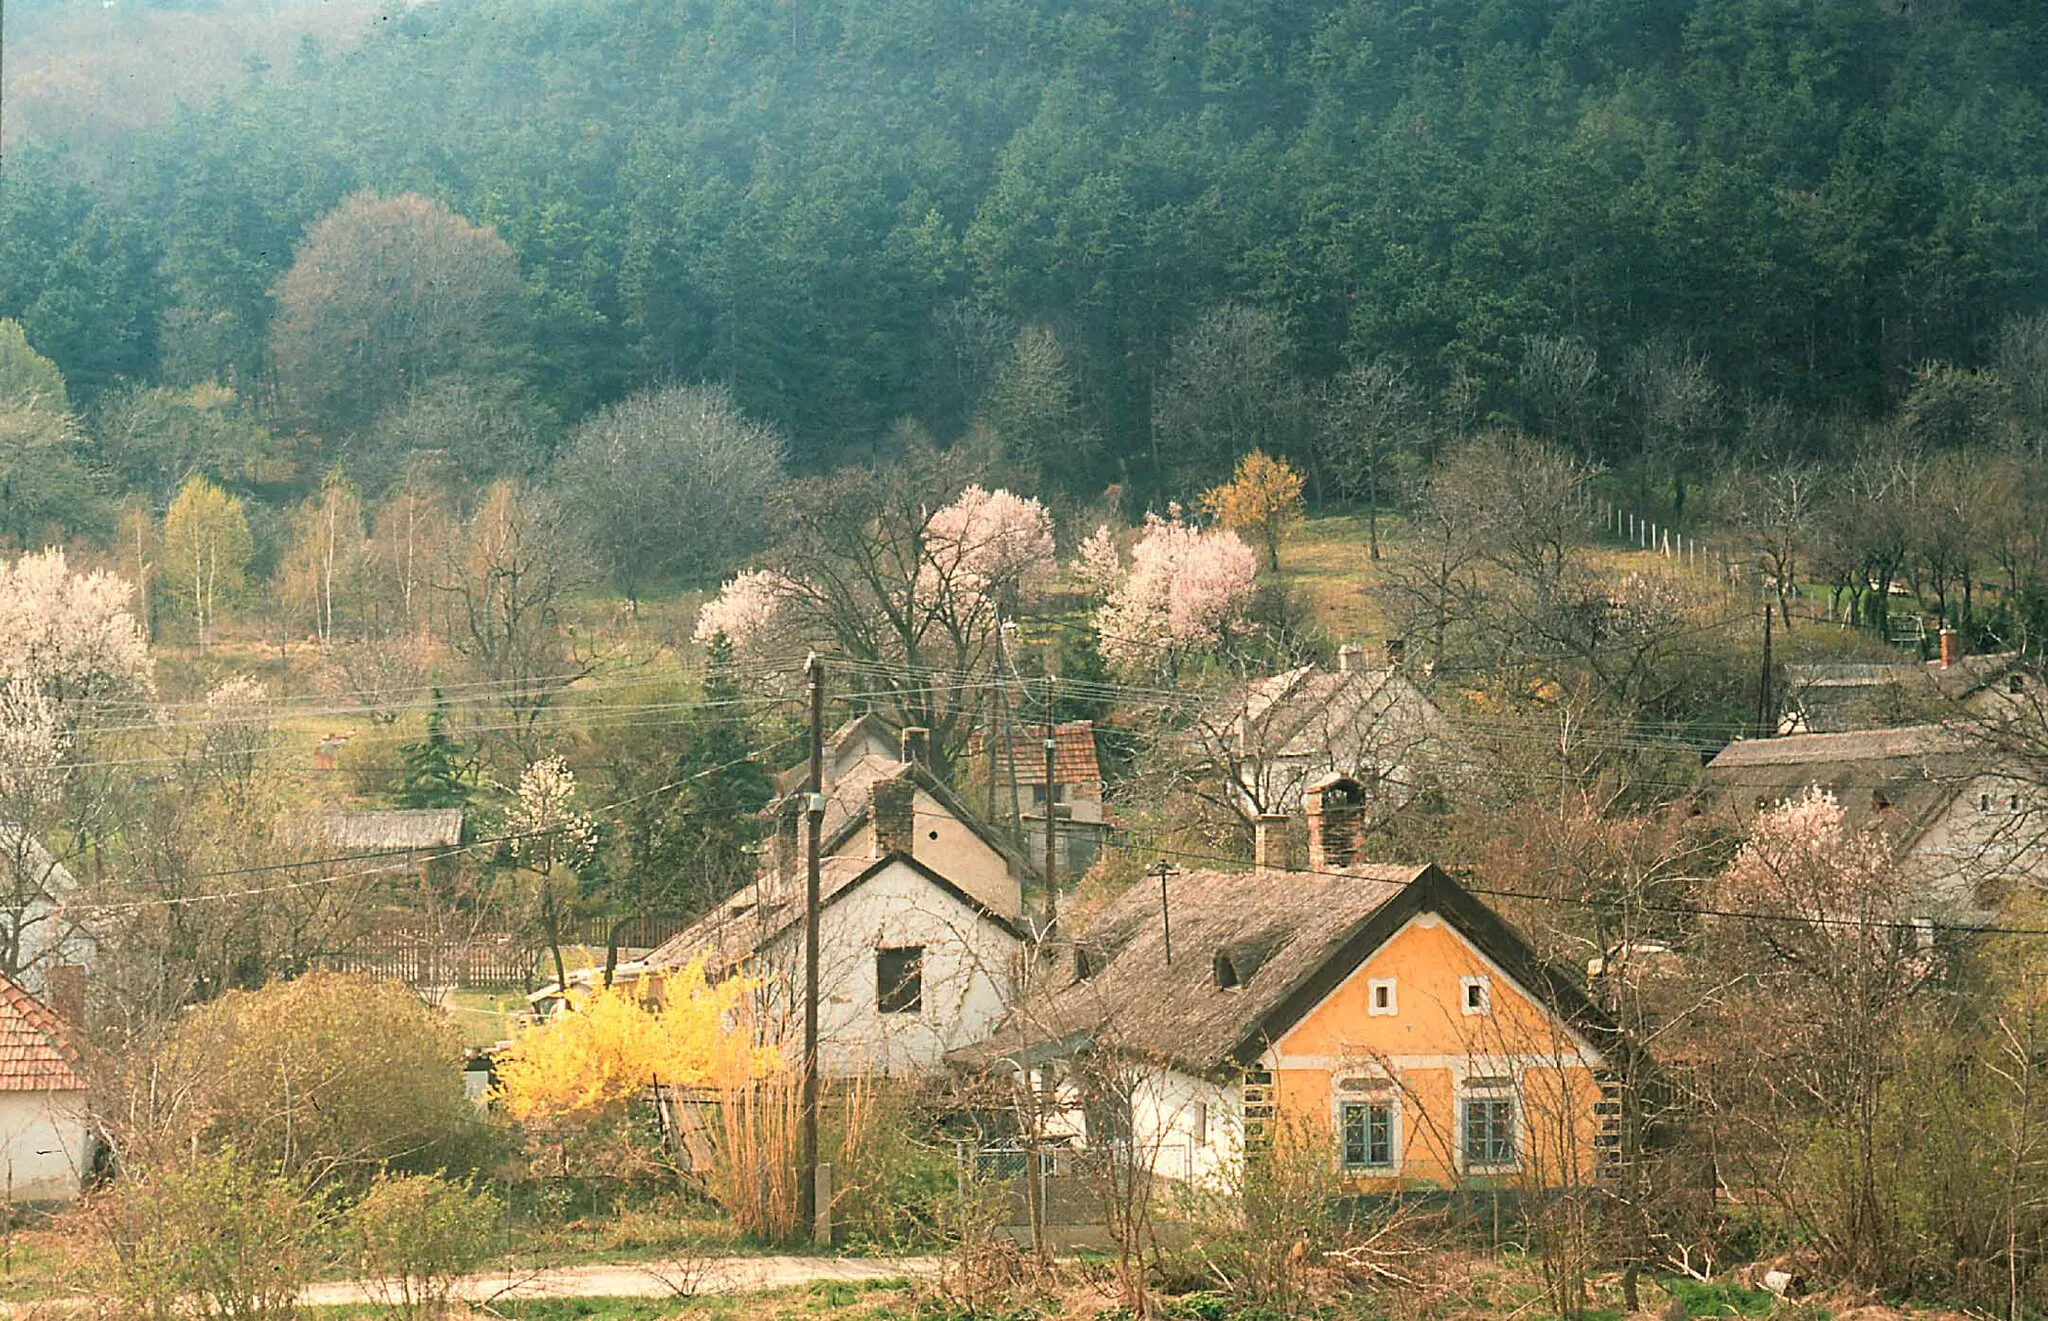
column 550, row 838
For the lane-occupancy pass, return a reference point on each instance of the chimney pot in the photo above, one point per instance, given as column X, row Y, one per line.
column 1350, row 657
column 1269, row 844
column 1951, row 647
column 917, row 746
column 1336, row 823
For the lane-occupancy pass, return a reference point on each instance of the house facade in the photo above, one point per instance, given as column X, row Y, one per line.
column 913, row 963
column 46, row 1143
column 1963, row 823
column 1017, row 767
column 1271, row 739
column 1380, row 1016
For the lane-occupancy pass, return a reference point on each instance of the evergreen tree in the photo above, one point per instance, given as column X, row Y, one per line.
column 435, row 766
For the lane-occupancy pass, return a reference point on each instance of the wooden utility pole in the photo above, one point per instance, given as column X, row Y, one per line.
column 1163, row 869
column 807, row 1177
column 1766, row 721
column 1052, row 815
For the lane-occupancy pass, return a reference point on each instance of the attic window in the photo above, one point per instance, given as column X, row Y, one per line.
column 1226, row 972
column 2016, row 683
column 899, row 979
column 1880, row 801
column 2012, row 803
column 1475, row 996
column 1379, row 998
column 1983, row 802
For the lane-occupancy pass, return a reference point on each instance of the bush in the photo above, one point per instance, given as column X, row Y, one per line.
column 413, row 1236
column 326, row 1077
column 219, row 1238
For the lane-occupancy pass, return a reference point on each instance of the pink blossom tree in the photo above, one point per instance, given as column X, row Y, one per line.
column 1185, row 588
column 904, row 575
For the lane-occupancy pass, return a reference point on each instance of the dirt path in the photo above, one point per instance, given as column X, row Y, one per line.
column 659, row 1279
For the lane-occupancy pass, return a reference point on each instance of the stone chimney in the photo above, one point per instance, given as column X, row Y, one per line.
column 917, row 746
column 892, row 817
column 1269, row 844
column 1350, row 658
column 786, row 856
column 1336, row 821
column 1397, row 648
column 1951, row 647
column 65, row 987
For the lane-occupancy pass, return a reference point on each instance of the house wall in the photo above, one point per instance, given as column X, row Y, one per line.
column 1189, row 1129
column 945, row 844
column 45, row 1147
column 1982, row 848
column 1422, row 1056
column 968, row 973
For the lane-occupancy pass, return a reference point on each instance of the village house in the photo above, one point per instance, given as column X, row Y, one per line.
column 1837, row 697
column 44, row 924
column 920, row 921
column 1963, row 822
column 1017, row 768
column 46, row 1142
column 1382, row 1013
column 1269, row 739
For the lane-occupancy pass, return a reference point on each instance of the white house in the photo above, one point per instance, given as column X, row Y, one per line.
column 1271, row 738
column 45, row 1132
column 42, row 923
column 913, row 962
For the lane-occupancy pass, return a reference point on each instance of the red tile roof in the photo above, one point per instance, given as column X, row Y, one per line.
column 1073, row 753
column 34, row 1054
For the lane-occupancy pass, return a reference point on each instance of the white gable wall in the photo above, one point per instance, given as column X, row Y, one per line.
column 45, row 1146
column 968, row 974
column 945, row 844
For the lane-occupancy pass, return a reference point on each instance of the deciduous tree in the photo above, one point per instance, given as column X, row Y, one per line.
column 207, row 548
column 1262, row 498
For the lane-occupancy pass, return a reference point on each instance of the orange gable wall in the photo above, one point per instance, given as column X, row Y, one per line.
column 1426, row 1046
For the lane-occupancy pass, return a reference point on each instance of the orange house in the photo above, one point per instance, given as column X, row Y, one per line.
column 1383, row 1015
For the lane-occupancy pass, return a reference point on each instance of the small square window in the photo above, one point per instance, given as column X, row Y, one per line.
column 899, row 979
column 1366, row 1134
column 1475, row 995
column 1380, row 1001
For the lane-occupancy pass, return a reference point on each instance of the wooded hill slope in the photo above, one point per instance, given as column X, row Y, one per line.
column 848, row 209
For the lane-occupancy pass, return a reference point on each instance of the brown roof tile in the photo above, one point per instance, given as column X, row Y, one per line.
column 35, row 1055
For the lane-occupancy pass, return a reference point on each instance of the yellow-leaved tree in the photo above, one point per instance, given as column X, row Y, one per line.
column 614, row 1046
column 1262, row 498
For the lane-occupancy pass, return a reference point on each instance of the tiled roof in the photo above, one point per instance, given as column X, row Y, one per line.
column 34, row 1054
column 1073, row 757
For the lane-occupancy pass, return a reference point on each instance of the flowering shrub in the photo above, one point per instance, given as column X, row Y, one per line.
column 1185, row 588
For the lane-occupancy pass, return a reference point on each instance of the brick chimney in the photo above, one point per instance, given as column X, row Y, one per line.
column 1269, row 844
column 1951, row 647
column 917, row 746
column 1350, row 658
column 1336, row 820
column 65, row 988
column 786, row 857
column 892, row 817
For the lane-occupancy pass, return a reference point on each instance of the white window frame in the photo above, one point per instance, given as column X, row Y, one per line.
column 1373, row 987
column 1389, row 1097
column 1484, row 985
column 1491, row 1093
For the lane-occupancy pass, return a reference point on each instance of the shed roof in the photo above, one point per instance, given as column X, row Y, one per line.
column 35, row 1051
column 393, row 831
column 1074, row 760
column 1290, row 937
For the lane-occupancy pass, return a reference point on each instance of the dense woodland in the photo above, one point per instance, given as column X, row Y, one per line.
column 1131, row 235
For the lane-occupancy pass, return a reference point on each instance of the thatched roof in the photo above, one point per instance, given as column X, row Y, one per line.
column 1840, row 696
column 749, row 921
column 1289, row 940
column 1899, row 780
column 391, row 832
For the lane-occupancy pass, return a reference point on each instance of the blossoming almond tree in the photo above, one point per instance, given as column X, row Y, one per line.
column 72, row 660
column 907, row 573
column 1185, row 587
column 551, row 839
